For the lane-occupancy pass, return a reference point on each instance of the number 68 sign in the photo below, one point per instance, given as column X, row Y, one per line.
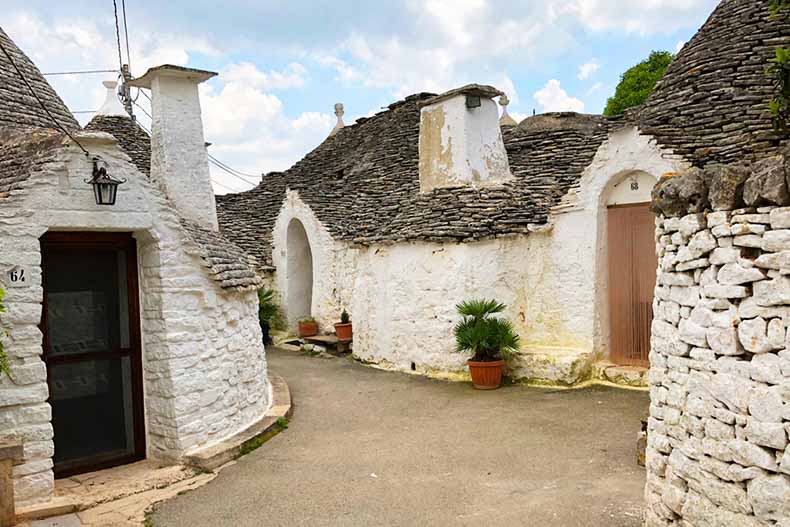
column 18, row 276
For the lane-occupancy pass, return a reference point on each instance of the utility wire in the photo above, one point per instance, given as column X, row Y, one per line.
column 126, row 34
column 82, row 72
column 216, row 162
column 40, row 102
column 117, row 34
column 232, row 171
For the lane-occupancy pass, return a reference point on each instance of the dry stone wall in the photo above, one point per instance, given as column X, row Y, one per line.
column 720, row 371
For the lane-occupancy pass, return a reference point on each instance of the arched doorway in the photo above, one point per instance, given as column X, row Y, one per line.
column 632, row 264
column 299, row 265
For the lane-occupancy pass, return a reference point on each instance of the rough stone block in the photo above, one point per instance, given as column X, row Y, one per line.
column 771, row 435
column 770, row 497
column 780, row 218
column 772, row 292
column 735, row 274
column 766, row 404
column 748, row 454
column 724, row 341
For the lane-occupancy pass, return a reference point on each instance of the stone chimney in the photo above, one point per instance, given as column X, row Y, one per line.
column 461, row 140
column 179, row 159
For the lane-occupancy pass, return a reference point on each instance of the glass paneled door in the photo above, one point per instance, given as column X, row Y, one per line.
column 92, row 350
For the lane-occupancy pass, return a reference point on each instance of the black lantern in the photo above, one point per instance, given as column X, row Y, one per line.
column 105, row 187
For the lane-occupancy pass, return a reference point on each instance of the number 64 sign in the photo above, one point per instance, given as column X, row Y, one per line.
column 18, row 276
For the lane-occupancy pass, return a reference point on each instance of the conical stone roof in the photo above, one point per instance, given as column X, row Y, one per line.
column 18, row 107
column 711, row 106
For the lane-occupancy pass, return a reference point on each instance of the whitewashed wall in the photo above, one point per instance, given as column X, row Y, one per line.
column 204, row 364
column 402, row 297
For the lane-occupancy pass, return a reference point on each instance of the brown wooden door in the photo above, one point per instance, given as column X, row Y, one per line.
column 632, row 278
column 92, row 350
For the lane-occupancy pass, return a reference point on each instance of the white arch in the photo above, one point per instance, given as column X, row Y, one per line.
column 299, row 269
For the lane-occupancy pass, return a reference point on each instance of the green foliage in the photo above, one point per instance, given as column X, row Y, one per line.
column 780, row 104
column 269, row 310
column 779, row 71
column 638, row 83
column 344, row 317
column 777, row 6
column 306, row 320
column 5, row 368
column 488, row 338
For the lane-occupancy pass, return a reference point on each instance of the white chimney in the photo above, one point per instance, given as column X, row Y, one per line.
column 461, row 140
column 179, row 159
column 112, row 105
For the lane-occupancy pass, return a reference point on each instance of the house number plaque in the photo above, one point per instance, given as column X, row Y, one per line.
column 18, row 276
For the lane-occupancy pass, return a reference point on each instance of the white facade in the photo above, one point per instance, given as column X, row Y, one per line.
column 204, row 368
column 402, row 297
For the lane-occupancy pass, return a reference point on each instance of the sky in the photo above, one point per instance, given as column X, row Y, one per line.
column 283, row 64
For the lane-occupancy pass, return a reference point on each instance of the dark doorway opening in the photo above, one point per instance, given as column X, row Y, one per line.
column 92, row 350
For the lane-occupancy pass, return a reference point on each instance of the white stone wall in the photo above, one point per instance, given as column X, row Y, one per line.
column 720, row 377
column 402, row 297
column 204, row 364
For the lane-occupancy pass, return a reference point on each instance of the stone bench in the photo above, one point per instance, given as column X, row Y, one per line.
column 10, row 453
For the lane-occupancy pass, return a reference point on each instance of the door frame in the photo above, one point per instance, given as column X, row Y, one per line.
column 624, row 361
column 104, row 240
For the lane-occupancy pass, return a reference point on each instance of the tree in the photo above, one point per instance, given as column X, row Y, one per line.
column 637, row 83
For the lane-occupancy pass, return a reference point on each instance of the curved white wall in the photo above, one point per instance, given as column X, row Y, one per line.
column 204, row 366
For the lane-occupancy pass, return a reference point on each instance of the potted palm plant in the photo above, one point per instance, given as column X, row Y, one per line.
column 490, row 339
column 344, row 330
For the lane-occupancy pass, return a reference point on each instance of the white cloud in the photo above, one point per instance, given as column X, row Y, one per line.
column 679, row 46
column 292, row 77
column 640, row 16
column 246, row 123
column 554, row 99
column 588, row 69
column 594, row 88
column 518, row 116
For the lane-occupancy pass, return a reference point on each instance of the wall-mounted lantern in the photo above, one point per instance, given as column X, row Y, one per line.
column 105, row 187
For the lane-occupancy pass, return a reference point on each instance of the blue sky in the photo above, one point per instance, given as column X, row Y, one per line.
column 283, row 64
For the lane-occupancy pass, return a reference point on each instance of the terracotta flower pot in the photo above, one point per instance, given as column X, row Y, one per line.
column 486, row 375
column 344, row 331
column 308, row 328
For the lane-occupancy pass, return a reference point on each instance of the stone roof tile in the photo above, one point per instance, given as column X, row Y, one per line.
column 18, row 107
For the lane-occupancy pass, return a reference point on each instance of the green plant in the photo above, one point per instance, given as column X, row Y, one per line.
column 268, row 309
column 307, row 320
column 779, row 71
column 5, row 367
column 638, row 83
column 777, row 6
column 487, row 337
column 344, row 317
column 779, row 106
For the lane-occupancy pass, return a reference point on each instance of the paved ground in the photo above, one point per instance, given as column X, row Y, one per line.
column 372, row 448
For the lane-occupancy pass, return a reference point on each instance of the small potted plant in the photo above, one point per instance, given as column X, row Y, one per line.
column 308, row 327
column 490, row 340
column 344, row 330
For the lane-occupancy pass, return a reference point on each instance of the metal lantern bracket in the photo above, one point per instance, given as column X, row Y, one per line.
column 105, row 187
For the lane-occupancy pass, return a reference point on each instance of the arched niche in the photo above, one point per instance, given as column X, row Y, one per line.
column 299, row 258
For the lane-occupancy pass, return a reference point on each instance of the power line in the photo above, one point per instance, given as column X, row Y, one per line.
column 216, row 162
column 219, row 164
column 126, row 34
column 40, row 102
column 81, row 72
column 212, row 180
column 117, row 34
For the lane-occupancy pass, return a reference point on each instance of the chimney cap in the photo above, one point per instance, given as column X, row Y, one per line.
column 477, row 90
column 112, row 106
column 170, row 70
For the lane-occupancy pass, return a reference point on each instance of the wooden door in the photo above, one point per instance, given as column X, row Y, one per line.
column 632, row 279
column 92, row 350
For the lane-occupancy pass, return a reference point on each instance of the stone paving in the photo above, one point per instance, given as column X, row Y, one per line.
column 367, row 447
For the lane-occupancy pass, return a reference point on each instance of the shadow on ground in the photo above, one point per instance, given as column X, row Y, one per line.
column 367, row 447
